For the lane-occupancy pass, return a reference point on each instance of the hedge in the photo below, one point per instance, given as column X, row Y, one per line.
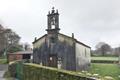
column 16, row 69
column 104, row 61
column 29, row 71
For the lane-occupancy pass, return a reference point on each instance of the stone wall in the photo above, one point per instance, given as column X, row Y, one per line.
column 82, row 57
column 74, row 56
column 63, row 48
column 31, row 71
column 12, row 57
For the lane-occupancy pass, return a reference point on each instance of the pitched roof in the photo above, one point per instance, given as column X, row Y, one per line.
column 39, row 38
column 65, row 36
column 76, row 40
column 22, row 52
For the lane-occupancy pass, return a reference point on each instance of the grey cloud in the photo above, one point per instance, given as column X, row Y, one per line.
column 91, row 20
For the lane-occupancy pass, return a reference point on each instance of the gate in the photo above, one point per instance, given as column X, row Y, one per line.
column 19, row 70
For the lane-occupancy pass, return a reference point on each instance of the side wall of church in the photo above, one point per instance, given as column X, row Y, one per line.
column 82, row 57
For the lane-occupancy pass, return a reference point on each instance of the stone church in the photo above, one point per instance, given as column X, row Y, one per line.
column 55, row 49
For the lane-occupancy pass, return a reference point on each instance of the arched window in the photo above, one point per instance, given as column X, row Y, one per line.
column 53, row 23
column 52, row 39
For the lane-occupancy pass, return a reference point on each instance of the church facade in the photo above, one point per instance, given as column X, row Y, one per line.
column 55, row 49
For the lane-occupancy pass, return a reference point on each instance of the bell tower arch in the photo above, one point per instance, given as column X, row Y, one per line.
column 53, row 21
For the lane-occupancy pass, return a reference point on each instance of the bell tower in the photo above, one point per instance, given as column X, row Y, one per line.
column 53, row 21
column 52, row 36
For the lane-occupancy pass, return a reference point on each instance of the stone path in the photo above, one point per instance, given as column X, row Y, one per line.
column 1, row 75
column 3, row 68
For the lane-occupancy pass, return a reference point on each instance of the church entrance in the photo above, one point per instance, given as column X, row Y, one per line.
column 52, row 60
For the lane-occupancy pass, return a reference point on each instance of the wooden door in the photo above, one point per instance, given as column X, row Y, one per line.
column 52, row 60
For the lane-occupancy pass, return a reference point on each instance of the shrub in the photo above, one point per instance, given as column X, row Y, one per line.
column 104, row 61
column 15, row 69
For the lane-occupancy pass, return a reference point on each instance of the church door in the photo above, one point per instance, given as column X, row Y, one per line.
column 52, row 60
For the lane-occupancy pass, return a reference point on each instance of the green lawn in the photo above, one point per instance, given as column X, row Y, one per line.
column 105, row 58
column 3, row 61
column 102, row 69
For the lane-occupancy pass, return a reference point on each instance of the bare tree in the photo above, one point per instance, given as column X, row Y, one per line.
column 27, row 46
column 11, row 37
column 2, row 39
column 8, row 39
column 103, row 48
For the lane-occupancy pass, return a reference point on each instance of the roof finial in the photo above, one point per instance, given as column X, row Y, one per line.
column 57, row 11
column 53, row 10
column 73, row 35
column 35, row 38
column 48, row 12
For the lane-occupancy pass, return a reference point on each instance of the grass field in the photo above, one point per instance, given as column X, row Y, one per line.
column 103, row 69
column 105, row 58
column 3, row 61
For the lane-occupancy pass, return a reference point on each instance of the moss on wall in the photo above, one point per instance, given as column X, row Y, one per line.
column 31, row 71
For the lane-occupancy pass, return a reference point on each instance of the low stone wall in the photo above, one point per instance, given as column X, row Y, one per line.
column 29, row 71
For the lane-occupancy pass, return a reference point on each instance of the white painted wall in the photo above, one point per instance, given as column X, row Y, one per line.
column 82, row 56
column 39, row 42
column 63, row 38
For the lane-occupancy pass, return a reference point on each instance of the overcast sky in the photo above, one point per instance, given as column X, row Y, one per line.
column 91, row 21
